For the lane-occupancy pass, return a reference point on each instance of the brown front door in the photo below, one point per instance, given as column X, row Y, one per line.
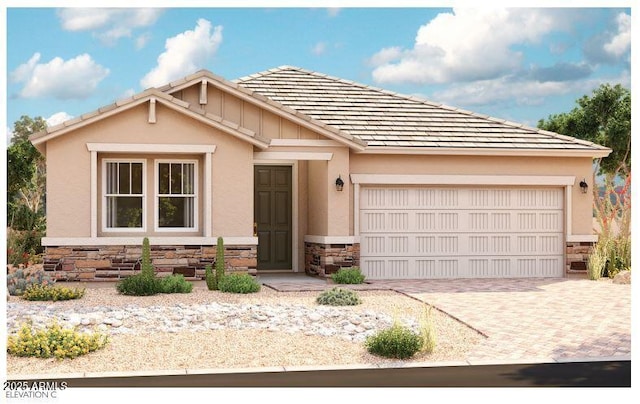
column 272, row 215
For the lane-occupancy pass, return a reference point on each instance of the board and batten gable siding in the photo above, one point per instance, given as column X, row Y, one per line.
column 245, row 114
column 580, row 167
column 69, row 169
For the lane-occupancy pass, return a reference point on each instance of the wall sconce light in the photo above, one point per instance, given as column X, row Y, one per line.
column 339, row 184
column 584, row 186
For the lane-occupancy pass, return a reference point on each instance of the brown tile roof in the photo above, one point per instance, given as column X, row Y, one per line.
column 386, row 119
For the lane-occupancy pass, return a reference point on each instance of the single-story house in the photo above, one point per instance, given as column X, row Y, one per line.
column 300, row 171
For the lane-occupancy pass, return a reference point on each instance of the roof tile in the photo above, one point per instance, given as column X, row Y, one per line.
column 384, row 118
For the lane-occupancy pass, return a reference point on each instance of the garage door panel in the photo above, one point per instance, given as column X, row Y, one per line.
column 446, row 267
column 440, row 221
column 415, row 232
column 459, row 244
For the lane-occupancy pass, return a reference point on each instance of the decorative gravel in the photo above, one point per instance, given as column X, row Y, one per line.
column 209, row 329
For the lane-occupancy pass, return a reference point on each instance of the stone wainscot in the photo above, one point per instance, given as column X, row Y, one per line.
column 114, row 262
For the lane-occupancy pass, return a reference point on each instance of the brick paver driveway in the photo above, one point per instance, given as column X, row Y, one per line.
column 534, row 319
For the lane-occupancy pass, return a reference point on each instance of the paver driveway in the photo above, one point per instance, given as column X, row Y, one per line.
column 534, row 319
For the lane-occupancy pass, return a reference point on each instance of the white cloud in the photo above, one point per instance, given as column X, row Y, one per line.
column 385, row 55
column 58, row 118
column 468, row 44
column 108, row 24
column 130, row 92
column 319, row 48
column 485, row 92
column 511, row 89
column 621, row 42
column 333, row 11
column 74, row 78
column 185, row 53
column 141, row 40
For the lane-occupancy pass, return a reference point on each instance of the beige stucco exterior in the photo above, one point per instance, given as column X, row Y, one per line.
column 69, row 168
column 319, row 210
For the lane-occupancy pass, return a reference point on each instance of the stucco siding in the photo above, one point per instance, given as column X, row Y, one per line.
column 68, row 196
column 246, row 114
column 489, row 165
column 317, row 198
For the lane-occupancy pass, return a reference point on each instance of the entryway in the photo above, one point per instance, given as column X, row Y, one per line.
column 273, row 216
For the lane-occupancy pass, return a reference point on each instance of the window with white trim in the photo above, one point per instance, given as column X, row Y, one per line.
column 176, row 195
column 124, row 199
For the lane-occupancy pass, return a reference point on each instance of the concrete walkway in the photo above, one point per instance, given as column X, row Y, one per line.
column 536, row 320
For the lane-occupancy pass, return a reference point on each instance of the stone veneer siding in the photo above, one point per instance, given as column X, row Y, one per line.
column 325, row 259
column 577, row 257
column 111, row 263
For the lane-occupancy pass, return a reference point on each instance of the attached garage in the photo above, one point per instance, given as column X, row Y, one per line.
column 461, row 231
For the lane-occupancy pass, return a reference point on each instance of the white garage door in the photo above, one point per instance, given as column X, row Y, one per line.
column 420, row 232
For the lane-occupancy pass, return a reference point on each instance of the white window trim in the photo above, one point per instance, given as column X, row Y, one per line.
column 106, row 229
column 156, row 204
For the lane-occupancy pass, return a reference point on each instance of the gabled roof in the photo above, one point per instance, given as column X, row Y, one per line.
column 245, row 94
column 387, row 120
column 38, row 139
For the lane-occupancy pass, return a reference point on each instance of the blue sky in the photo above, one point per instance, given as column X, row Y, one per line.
column 521, row 64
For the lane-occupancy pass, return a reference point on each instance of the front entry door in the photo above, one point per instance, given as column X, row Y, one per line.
column 272, row 216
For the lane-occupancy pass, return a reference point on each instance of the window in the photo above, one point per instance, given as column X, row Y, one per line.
column 176, row 207
column 123, row 195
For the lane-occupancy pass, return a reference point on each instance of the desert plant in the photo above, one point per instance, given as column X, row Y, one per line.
column 144, row 283
column 338, row 297
column 350, row 275
column 219, row 263
column 53, row 341
column 175, row 284
column 23, row 246
column 210, row 278
column 49, row 292
column 427, row 331
column 238, row 283
column 146, row 267
column 395, row 342
column 18, row 281
column 612, row 253
column 139, row 285
column 596, row 263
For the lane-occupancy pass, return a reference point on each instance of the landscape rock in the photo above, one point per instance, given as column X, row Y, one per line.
column 622, row 278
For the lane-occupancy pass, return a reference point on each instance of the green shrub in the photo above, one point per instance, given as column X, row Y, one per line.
column 210, row 278
column 144, row 283
column 348, row 276
column 48, row 292
column 238, row 283
column 396, row 342
column 139, row 285
column 18, row 281
column 175, row 284
column 338, row 297
column 219, row 263
column 54, row 341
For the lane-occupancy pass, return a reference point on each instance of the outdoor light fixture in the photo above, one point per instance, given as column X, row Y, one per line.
column 339, row 184
column 584, row 186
